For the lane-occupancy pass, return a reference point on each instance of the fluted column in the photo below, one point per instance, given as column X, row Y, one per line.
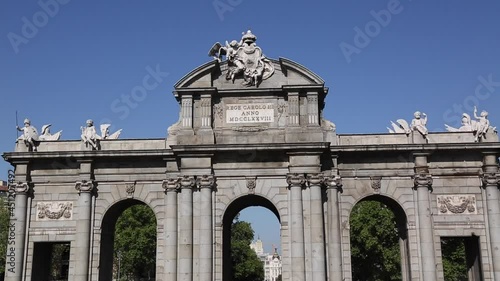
column 206, row 184
column 297, row 252
column 171, row 188
column 423, row 185
column 82, row 241
column 17, row 232
column 185, row 238
column 315, row 182
column 334, row 183
column 491, row 180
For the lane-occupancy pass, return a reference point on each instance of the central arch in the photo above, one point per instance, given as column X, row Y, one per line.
column 232, row 210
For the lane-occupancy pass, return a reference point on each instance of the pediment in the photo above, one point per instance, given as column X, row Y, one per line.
column 213, row 75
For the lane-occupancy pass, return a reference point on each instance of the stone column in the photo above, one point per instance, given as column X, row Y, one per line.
column 491, row 180
column 14, row 268
column 206, row 184
column 334, row 183
column 185, row 238
column 171, row 187
column 315, row 182
column 83, row 224
column 423, row 185
column 297, row 252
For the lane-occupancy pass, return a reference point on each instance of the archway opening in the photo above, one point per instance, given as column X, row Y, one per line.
column 378, row 237
column 245, row 255
column 128, row 242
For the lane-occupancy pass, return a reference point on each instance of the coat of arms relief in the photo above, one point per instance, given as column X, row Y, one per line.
column 245, row 60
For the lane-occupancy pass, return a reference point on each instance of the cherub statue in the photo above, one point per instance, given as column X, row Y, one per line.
column 89, row 134
column 47, row 136
column 482, row 124
column 29, row 136
column 419, row 123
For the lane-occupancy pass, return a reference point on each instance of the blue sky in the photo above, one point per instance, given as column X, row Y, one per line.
column 65, row 62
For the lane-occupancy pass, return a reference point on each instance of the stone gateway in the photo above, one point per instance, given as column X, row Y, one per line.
column 251, row 133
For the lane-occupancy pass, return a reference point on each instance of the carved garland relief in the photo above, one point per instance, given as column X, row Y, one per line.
column 57, row 210
column 457, row 204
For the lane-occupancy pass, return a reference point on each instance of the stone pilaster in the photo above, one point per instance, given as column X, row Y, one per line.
column 185, row 237
column 491, row 180
column 315, row 182
column 83, row 224
column 206, row 111
column 295, row 183
column 423, row 185
column 171, row 187
column 334, row 183
column 312, row 109
column 206, row 185
column 17, row 226
column 187, row 111
column 293, row 109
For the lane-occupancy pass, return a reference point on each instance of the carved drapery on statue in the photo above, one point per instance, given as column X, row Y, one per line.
column 245, row 59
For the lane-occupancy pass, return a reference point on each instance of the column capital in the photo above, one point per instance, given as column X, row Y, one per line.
column 333, row 181
column 171, row 184
column 489, row 179
column 205, row 181
column 315, row 179
column 187, row 182
column 21, row 188
column 422, row 180
column 295, row 179
column 85, row 186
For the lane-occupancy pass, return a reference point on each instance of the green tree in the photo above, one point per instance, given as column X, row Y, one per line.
column 374, row 243
column 454, row 263
column 135, row 240
column 4, row 229
column 245, row 262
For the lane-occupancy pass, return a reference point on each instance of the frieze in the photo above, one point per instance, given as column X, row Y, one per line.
column 457, row 204
column 57, row 210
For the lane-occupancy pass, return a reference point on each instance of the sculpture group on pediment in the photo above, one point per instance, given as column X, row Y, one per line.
column 90, row 137
column 479, row 127
column 30, row 135
column 419, row 124
column 245, row 59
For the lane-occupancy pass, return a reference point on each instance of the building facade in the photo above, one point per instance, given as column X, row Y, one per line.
column 251, row 133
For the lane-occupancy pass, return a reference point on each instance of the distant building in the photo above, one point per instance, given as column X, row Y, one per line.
column 271, row 262
column 4, row 188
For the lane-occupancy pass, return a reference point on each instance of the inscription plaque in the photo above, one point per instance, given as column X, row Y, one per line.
column 250, row 113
